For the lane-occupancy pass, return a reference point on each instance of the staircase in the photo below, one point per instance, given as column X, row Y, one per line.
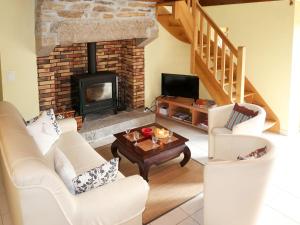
column 217, row 62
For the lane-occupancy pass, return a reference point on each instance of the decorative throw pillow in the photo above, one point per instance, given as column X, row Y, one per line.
column 64, row 169
column 44, row 130
column 255, row 154
column 104, row 174
column 238, row 115
column 52, row 120
column 49, row 114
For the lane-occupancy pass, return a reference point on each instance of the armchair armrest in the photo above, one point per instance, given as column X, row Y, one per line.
column 229, row 147
column 218, row 116
column 67, row 125
column 113, row 203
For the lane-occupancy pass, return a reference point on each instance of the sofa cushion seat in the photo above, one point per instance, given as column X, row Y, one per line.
column 220, row 130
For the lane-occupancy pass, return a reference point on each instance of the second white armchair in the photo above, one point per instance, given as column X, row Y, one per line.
column 218, row 117
column 234, row 189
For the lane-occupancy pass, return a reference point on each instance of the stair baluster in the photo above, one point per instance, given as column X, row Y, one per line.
column 240, row 86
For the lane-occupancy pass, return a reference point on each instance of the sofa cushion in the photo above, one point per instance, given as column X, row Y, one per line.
column 96, row 177
column 50, row 119
column 44, row 131
column 64, row 169
column 81, row 155
column 238, row 115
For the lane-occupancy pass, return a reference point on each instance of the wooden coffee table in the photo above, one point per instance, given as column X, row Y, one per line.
column 145, row 159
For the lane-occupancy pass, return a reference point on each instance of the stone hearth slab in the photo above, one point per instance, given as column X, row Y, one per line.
column 99, row 129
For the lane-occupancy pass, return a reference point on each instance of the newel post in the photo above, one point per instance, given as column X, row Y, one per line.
column 241, row 69
column 194, row 46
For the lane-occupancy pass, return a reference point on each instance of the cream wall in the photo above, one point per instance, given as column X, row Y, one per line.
column 294, row 119
column 17, row 49
column 164, row 55
column 266, row 29
column 1, row 92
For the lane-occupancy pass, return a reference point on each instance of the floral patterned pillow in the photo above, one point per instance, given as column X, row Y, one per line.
column 50, row 120
column 96, row 177
column 51, row 116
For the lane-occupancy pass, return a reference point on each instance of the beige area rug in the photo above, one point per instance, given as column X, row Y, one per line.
column 170, row 184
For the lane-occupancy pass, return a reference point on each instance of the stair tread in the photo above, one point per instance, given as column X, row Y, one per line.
column 218, row 69
column 219, row 57
column 165, row 14
column 246, row 94
column 227, row 82
column 170, row 3
column 268, row 124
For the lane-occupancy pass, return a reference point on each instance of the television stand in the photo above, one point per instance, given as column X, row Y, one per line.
column 183, row 110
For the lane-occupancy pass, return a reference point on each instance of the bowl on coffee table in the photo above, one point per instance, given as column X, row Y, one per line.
column 147, row 132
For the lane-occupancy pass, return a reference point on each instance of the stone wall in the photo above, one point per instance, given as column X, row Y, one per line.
column 64, row 22
column 55, row 71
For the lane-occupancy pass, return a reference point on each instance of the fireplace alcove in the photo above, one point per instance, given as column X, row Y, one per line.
column 121, row 31
column 122, row 59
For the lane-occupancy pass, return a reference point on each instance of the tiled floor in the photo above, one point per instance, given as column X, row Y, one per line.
column 282, row 204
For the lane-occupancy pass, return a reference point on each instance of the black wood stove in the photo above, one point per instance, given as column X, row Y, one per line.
column 96, row 91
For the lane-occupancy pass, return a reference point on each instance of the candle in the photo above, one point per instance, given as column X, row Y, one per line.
column 161, row 132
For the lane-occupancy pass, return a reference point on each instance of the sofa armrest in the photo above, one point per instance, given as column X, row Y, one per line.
column 113, row 203
column 67, row 125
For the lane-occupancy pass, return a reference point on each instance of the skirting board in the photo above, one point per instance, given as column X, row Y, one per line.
column 284, row 132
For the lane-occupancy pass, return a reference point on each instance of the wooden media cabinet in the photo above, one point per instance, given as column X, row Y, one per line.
column 183, row 110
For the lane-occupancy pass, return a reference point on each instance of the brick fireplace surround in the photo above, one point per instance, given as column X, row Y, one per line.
column 55, row 71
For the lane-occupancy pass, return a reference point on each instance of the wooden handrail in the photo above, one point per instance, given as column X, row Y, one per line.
column 217, row 29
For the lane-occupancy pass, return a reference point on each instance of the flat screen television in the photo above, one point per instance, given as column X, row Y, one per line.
column 177, row 85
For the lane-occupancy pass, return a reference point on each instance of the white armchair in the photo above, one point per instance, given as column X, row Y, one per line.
column 234, row 189
column 218, row 117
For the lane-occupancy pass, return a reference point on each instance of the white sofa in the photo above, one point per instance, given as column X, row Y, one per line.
column 218, row 117
column 37, row 195
column 234, row 189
